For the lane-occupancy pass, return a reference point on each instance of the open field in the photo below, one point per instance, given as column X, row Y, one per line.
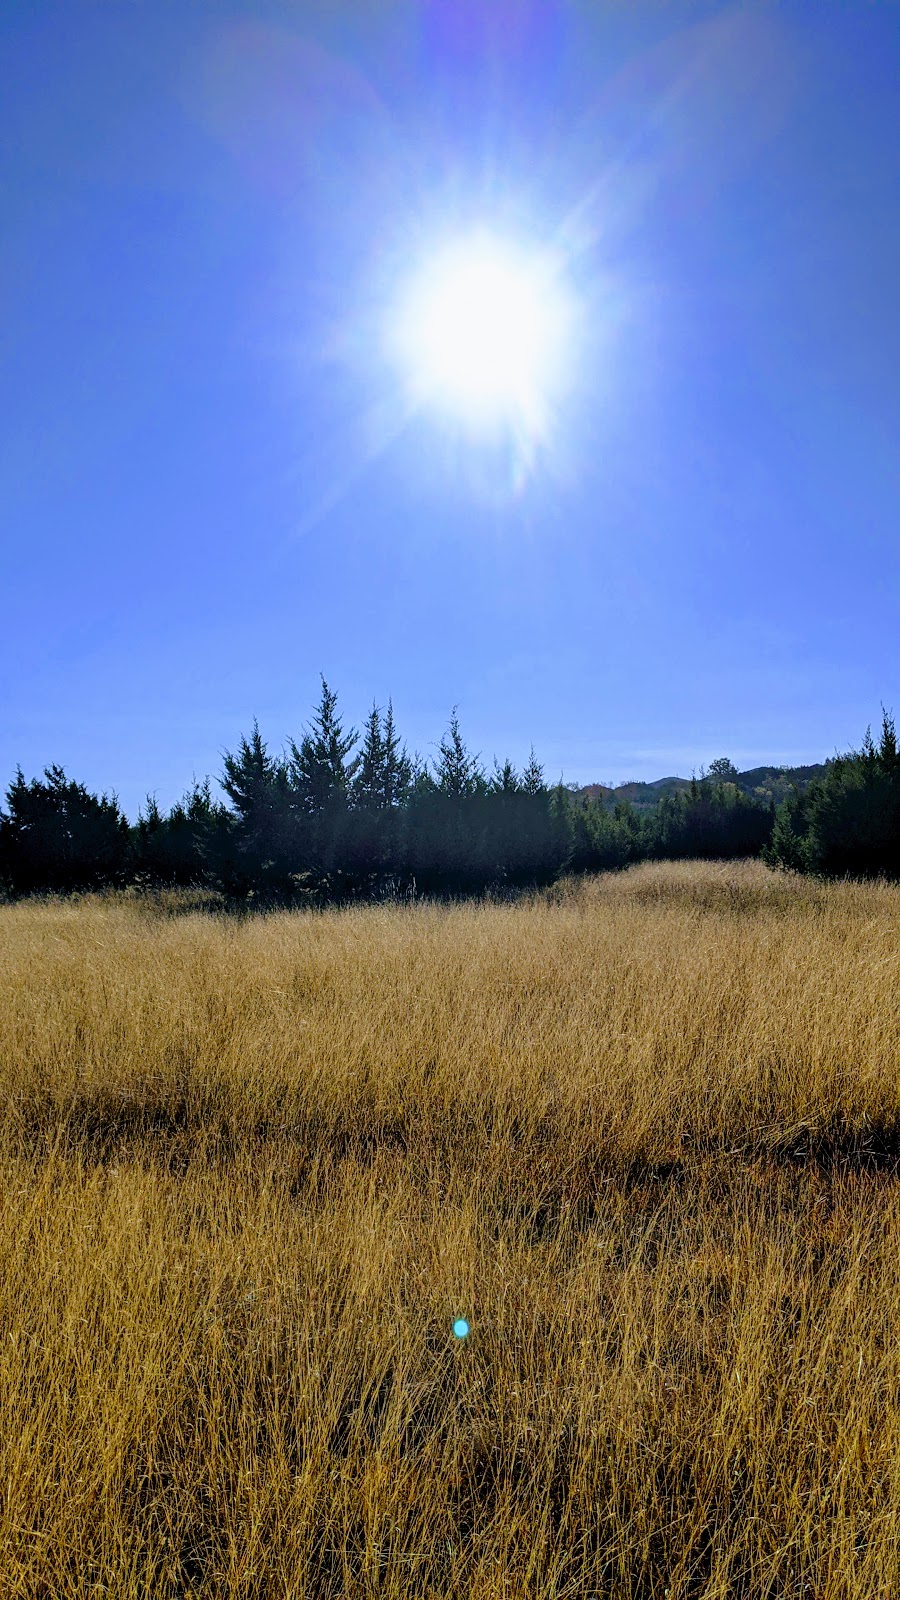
column 641, row 1131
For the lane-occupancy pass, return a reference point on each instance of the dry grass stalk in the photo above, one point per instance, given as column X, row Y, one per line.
column 640, row 1131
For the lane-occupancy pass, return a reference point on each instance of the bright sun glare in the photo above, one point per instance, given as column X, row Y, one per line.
column 482, row 333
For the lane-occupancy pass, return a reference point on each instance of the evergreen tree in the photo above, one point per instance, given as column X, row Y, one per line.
column 710, row 819
column 788, row 846
column 321, row 773
column 319, row 770
column 150, row 822
column 539, row 835
column 180, row 848
column 368, row 783
column 252, row 779
column 847, row 822
column 322, row 820
column 505, row 779
column 56, row 835
column 450, row 846
column 257, row 786
column 562, row 826
column 457, row 772
column 533, row 776
column 422, row 780
column 399, row 767
column 375, row 842
column 385, row 772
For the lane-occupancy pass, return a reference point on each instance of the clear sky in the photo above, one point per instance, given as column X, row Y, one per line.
column 212, row 489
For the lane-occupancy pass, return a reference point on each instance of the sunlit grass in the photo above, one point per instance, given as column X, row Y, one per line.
column 638, row 1134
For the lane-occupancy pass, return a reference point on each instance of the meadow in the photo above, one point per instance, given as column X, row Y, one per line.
column 641, row 1131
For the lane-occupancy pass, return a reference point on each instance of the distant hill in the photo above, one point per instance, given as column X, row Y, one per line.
column 773, row 783
column 640, row 794
column 764, row 783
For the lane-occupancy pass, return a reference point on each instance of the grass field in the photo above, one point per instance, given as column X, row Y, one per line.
column 640, row 1131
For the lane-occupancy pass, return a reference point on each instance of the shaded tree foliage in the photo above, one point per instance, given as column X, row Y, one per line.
column 257, row 852
column 847, row 823
column 185, row 845
column 377, row 852
column 320, row 769
column 335, row 817
column 384, row 771
column 320, row 773
column 56, row 835
column 714, row 818
column 723, row 770
column 457, row 773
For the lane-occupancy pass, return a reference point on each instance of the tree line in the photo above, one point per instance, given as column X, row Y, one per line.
column 340, row 815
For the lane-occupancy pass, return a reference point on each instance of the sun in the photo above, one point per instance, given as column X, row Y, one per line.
column 482, row 330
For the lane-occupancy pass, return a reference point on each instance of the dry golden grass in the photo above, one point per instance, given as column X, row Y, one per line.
column 640, row 1131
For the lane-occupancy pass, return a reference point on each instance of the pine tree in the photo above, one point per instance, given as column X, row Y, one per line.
column 850, row 818
column 252, row 779
column 562, row 826
column 320, row 776
column 533, row 776
column 422, row 780
column 55, row 834
column 151, row 820
column 183, row 846
column 505, row 779
column 457, row 772
column 320, row 773
column 398, row 768
column 788, row 847
column 888, row 755
column 257, row 786
column 385, row 772
column 369, row 779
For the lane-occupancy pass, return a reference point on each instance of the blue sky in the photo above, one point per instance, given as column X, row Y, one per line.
column 210, row 493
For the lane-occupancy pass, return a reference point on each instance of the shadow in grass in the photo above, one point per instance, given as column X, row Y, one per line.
column 548, row 1184
column 101, row 1129
column 837, row 1146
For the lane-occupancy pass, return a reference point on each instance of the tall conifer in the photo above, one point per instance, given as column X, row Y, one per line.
column 457, row 772
column 533, row 776
column 319, row 769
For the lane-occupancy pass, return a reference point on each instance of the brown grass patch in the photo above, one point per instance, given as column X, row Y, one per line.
column 642, row 1131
